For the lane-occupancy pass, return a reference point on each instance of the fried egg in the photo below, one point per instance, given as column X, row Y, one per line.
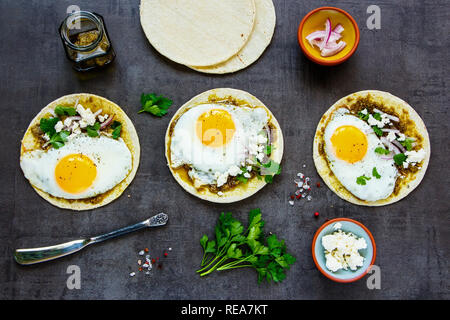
column 214, row 138
column 350, row 145
column 84, row 167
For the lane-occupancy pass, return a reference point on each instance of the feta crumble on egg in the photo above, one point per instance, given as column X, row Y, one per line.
column 342, row 250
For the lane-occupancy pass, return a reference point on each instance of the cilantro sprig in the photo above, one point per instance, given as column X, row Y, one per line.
column 375, row 173
column 235, row 247
column 155, row 105
column 399, row 158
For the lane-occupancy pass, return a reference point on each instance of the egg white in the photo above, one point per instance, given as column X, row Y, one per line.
column 207, row 162
column 347, row 173
column 112, row 158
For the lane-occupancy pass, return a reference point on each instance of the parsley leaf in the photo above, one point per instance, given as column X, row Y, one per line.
column 62, row 110
column 92, row 131
column 377, row 116
column 48, row 125
column 117, row 128
column 57, row 139
column 156, row 105
column 375, row 173
column 362, row 180
column 363, row 116
column 381, row 150
column 399, row 158
column 268, row 150
column 236, row 248
column 407, row 143
column 377, row 131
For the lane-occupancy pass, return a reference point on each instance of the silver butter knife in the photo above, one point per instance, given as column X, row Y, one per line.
column 37, row 255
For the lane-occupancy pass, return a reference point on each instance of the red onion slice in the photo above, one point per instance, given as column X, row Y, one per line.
column 339, row 28
column 391, row 130
column 106, row 122
column 399, row 145
column 332, row 50
column 327, row 32
column 393, row 118
column 389, row 145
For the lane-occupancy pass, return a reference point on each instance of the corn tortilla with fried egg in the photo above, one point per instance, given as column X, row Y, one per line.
column 410, row 124
column 31, row 141
column 237, row 98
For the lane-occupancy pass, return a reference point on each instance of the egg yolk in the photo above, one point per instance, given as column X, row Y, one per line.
column 215, row 128
column 350, row 143
column 75, row 173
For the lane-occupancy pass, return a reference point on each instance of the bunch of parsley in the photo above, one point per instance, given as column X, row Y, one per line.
column 235, row 247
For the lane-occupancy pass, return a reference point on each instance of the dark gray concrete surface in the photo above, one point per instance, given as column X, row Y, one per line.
column 407, row 57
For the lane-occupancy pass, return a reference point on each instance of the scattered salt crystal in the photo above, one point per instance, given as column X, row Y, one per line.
column 291, row 202
column 141, row 253
column 145, row 265
column 308, row 198
column 304, row 166
column 132, row 274
column 301, row 175
column 170, row 249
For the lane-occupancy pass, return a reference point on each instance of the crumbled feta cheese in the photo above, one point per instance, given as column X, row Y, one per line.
column 260, row 156
column 46, row 137
column 364, row 111
column 59, row 126
column 413, row 157
column 220, row 193
column 101, row 118
column 262, row 139
column 234, row 171
column 337, row 225
column 249, row 168
column 68, row 122
column 87, row 116
column 221, row 178
column 391, row 136
column 401, row 136
column 247, row 175
column 341, row 250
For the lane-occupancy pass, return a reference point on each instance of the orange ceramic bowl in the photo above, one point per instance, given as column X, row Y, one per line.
column 315, row 21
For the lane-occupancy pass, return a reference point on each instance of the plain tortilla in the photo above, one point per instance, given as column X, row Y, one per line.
column 128, row 134
column 241, row 191
column 256, row 45
column 197, row 32
column 405, row 111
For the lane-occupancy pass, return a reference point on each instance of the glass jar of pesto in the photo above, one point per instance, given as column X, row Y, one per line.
column 86, row 40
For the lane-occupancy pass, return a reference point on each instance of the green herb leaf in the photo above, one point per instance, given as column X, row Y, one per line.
column 377, row 131
column 362, row 180
column 117, row 129
column 381, row 150
column 62, row 111
column 156, row 105
column 48, row 125
column 407, row 143
column 399, row 159
column 363, row 116
column 268, row 150
column 57, row 140
column 377, row 116
column 375, row 173
column 92, row 131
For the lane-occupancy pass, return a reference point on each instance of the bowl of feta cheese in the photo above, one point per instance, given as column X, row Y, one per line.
column 343, row 250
